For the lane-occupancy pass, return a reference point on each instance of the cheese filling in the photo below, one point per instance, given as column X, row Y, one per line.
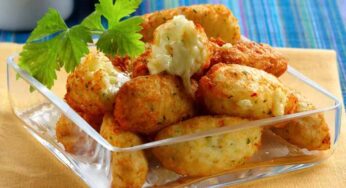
column 179, row 49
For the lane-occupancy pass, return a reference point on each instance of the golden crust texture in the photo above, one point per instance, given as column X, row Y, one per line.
column 140, row 67
column 147, row 104
column 91, row 87
column 209, row 155
column 124, row 64
column 259, row 56
column 242, row 91
column 217, row 21
column 129, row 169
column 310, row 132
column 75, row 141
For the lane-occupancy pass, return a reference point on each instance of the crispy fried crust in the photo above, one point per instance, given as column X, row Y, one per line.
column 91, row 87
column 94, row 120
column 242, row 91
column 75, row 141
column 140, row 67
column 129, row 169
column 260, row 56
column 124, row 64
column 146, row 104
column 217, row 21
column 310, row 132
column 209, row 155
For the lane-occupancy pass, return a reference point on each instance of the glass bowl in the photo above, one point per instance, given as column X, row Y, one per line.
column 41, row 109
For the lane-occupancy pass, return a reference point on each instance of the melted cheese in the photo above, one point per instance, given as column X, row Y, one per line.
column 112, row 78
column 179, row 49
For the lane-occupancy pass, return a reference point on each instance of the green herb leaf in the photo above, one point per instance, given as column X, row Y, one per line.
column 93, row 22
column 41, row 58
column 73, row 45
column 114, row 12
column 106, row 9
column 53, row 45
column 51, row 23
column 121, row 12
column 122, row 39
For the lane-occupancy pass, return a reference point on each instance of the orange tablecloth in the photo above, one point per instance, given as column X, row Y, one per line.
column 25, row 163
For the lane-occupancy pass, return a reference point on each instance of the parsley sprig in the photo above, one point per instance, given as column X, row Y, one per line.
column 53, row 45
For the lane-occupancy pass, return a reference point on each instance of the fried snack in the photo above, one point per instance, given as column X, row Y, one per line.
column 209, row 155
column 260, row 56
column 91, row 87
column 217, row 21
column 242, row 91
column 309, row 132
column 180, row 48
column 140, row 67
column 128, row 64
column 129, row 169
column 123, row 64
column 75, row 141
column 147, row 104
column 94, row 120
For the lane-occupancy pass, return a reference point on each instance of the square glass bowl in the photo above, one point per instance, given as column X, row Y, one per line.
column 41, row 109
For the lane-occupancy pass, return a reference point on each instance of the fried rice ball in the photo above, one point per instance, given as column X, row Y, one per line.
column 147, row 104
column 129, row 169
column 242, row 91
column 91, row 87
column 209, row 155
column 217, row 21
column 73, row 139
column 260, row 56
column 309, row 132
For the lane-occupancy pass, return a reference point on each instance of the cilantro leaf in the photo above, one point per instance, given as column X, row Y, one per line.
column 122, row 39
column 93, row 22
column 106, row 9
column 114, row 12
column 53, row 45
column 38, row 59
column 72, row 47
column 41, row 58
column 121, row 11
column 50, row 23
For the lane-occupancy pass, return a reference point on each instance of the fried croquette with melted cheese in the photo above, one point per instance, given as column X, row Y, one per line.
column 259, row 56
column 309, row 132
column 91, row 87
column 242, row 91
column 180, row 48
column 217, row 21
column 73, row 139
column 209, row 155
column 146, row 104
column 129, row 169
